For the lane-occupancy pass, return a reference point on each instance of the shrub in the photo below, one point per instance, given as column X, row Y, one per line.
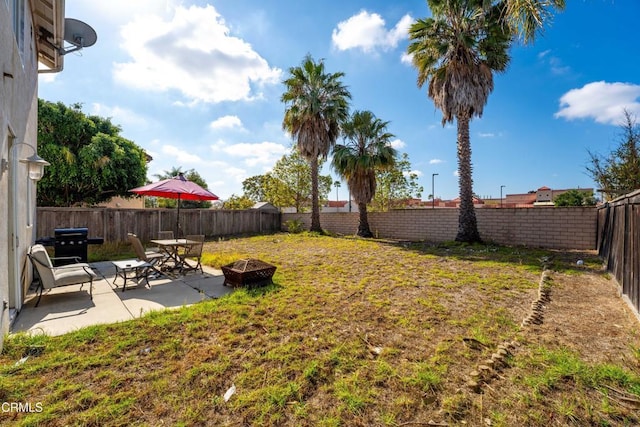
column 295, row 226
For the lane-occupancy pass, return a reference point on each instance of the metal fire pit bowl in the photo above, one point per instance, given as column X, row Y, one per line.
column 248, row 272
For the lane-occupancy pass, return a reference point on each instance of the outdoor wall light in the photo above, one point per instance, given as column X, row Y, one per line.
column 35, row 164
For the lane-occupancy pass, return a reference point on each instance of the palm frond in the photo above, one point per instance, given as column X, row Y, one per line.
column 526, row 18
column 456, row 52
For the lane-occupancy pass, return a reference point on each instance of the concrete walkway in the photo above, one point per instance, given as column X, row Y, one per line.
column 65, row 309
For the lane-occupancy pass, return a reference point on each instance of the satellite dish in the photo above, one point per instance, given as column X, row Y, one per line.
column 79, row 34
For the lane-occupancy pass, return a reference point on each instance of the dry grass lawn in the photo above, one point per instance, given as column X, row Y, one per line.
column 352, row 333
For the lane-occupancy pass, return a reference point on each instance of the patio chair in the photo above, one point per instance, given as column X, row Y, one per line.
column 165, row 235
column 52, row 277
column 194, row 251
column 152, row 257
column 162, row 235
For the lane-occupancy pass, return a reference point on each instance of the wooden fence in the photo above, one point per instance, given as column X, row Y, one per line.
column 619, row 243
column 114, row 224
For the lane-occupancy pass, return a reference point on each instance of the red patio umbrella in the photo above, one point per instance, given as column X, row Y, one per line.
column 177, row 187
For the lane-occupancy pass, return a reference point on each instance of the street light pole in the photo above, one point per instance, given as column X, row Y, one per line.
column 501, row 187
column 433, row 193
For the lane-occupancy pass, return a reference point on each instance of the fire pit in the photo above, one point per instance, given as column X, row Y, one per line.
column 248, row 272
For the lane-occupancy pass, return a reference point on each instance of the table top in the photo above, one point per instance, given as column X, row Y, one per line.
column 130, row 263
column 174, row 242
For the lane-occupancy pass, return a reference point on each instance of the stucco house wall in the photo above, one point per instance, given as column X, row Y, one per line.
column 18, row 140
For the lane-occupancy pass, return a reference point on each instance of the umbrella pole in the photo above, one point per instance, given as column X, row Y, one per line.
column 178, row 219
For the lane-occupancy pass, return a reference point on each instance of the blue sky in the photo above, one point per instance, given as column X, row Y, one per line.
column 198, row 83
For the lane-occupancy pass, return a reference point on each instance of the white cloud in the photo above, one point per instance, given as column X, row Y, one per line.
column 544, row 53
column 44, row 78
column 555, row 64
column 112, row 10
column 221, row 173
column 179, row 155
column 263, row 153
column 367, row 31
column 194, row 54
column 557, row 67
column 226, row 122
column 601, row 101
column 413, row 172
column 435, row 161
column 486, row 134
column 118, row 115
column 456, row 173
column 406, row 58
column 398, row 144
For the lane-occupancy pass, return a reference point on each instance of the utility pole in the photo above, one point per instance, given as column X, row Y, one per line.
column 433, row 193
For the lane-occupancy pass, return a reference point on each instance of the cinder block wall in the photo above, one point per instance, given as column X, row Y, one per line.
column 552, row 228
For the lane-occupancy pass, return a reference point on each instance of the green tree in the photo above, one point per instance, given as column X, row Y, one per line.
column 619, row 172
column 396, row 185
column 316, row 105
column 90, row 162
column 366, row 149
column 575, row 198
column 191, row 175
column 456, row 52
column 238, row 202
column 288, row 184
column 259, row 188
column 293, row 176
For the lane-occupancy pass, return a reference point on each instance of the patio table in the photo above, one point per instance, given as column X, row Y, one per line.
column 171, row 247
column 140, row 270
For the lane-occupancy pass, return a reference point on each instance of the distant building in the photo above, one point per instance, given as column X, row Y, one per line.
column 330, row 206
column 136, row 202
column 339, row 206
column 543, row 196
column 265, row 207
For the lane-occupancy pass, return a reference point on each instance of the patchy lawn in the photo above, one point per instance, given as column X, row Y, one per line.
column 352, row 333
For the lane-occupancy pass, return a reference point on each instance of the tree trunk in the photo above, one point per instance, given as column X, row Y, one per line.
column 467, row 224
column 363, row 225
column 315, row 206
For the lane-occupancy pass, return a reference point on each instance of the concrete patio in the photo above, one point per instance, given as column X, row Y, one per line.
column 68, row 308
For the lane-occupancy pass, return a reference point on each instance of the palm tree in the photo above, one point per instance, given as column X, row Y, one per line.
column 366, row 150
column 316, row 105
column 167, row 174
column 456, row 52
column 337, row 184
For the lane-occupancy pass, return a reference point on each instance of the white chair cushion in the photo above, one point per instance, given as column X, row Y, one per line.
column 72, row 274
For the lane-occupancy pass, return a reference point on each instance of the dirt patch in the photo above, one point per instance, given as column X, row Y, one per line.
column 587, row 314
column 546, row 385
